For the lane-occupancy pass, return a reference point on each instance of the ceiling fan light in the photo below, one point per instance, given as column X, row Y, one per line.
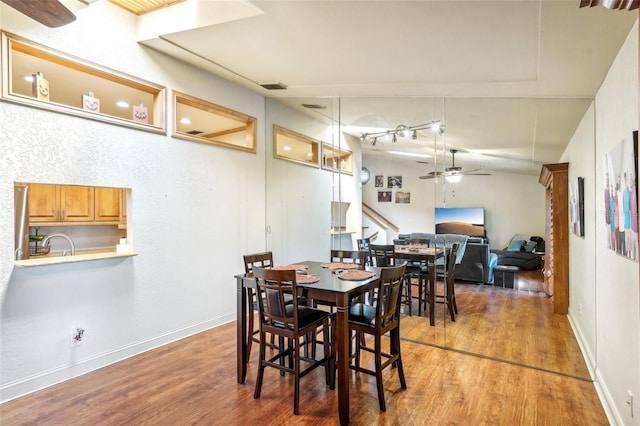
column 414, row 135
column 454, row 178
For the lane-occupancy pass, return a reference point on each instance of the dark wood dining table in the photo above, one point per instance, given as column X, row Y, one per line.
column 429, row 255
column 329, row 288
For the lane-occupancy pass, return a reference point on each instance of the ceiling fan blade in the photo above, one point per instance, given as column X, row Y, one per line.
column 473, row 172
column 50, row 13
column 431, row 175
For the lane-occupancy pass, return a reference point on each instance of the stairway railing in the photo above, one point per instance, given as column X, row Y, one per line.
column 380, row 220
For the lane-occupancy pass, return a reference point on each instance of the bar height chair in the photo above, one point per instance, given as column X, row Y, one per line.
column 378, row 320
column 291, row 322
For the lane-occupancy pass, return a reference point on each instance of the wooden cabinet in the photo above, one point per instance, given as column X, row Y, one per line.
column 107, row 204
column 77, row 203
column 554, row 177
column 44, row 203
column 73, row 204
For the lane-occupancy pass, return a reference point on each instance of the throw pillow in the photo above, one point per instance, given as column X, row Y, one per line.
column 515, row 245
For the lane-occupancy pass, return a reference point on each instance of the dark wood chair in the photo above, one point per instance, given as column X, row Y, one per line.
column 378, row 320
column 382, row 255
column 349, row 256
column 363, row 245
column 289, row 322
column 262, row 260
column 416, row 275
column 445, row 274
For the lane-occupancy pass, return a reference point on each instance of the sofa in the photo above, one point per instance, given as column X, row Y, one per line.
column 523, row 252
column 474, row 262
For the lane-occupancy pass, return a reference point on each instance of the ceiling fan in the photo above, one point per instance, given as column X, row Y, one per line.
column 51, row 13
column 454, row 172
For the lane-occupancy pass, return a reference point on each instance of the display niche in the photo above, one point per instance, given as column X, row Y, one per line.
column 201, row 121
column 42, row 77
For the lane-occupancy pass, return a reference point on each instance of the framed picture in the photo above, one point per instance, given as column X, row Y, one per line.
column 403, row 197
column 394, row 182
column 576, row 206
column 379, row 181
column 620, row 197
column 384, row 196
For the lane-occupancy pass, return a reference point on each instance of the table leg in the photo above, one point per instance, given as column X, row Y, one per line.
column 432, row 294
column 342, row 349
column 241, row 327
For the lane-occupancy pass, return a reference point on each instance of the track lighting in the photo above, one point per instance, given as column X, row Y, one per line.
column 403, row 130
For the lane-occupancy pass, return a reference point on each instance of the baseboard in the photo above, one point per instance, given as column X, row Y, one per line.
column 13, row 390
column 588, row 356
column 613, row 416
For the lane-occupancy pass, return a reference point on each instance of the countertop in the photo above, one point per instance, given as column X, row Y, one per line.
column 80, row 256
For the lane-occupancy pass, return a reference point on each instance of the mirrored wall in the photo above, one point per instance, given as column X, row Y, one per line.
column 314, row 204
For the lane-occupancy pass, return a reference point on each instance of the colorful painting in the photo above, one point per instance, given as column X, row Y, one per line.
column 620, row 197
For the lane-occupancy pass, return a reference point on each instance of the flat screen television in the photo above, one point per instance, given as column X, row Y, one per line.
column 460, row 220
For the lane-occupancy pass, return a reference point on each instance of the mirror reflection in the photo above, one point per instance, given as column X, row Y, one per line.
column 499, row 147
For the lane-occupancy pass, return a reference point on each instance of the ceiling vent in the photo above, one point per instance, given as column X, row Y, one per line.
column 273, row 86
column 314, row 106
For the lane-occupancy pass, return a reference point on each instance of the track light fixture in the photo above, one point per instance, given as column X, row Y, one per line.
column 403, row 130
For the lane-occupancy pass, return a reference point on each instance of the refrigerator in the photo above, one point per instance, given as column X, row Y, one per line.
column 21, row 209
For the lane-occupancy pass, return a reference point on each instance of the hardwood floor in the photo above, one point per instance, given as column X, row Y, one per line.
column 193, row 381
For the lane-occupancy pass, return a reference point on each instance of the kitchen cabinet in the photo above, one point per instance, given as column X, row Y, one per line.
column 72, row 204
column 554, row 178
column 107, row 204
column 123, row 209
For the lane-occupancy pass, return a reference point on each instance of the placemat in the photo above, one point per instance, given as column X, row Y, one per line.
column 340, row 265
column 355, row 275
column 291, row 268
column 307, row 279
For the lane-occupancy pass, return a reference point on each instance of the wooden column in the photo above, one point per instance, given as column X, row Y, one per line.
column 554, row 177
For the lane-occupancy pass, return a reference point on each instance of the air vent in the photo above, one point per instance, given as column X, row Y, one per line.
column 194, row 132
column 314, row 106
column 273, row 86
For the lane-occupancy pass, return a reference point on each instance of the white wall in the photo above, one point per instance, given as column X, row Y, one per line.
column 617, row 296
column 193, row 215
column 580, row 154
column 513, row 204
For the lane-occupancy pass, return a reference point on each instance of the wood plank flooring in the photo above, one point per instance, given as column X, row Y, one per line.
column 193, row 382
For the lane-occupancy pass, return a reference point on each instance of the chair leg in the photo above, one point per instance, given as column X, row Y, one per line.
column 378, row 369
column 261, row 367
column 395, row 341
column 250, row 323
column 296, row 383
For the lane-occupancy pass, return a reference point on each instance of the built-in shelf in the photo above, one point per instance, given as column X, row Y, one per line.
column 42, row 77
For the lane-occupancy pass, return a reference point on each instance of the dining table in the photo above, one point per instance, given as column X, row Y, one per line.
column 329, row 288
column 427, row 255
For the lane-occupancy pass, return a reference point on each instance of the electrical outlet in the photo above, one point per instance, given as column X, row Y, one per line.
column 630, row 402
column 76, row 337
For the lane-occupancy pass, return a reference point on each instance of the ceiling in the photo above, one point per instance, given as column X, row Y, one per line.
column 509, row 79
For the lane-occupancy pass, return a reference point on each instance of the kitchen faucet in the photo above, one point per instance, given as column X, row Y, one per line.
column 46, row 239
